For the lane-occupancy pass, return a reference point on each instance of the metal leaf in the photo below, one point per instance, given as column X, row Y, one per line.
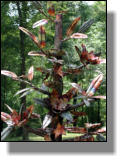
column 78, row 36
column 94, row 85
column 26, row 93
column 90, row 125
column 86, row 102
column 67, row 116
column 47, row 120
column 86, row 25
column 44, row 87
column 99, row 97
column 40, row 23
column 75, row 85
column 42, row 102
column 39, row 101
column 36, row 53
column 100, row 137
column 32, row 36
column 72, row 26
column 9, row 74
column 78, row 51
column 10, row 109
column 30, row 73
column 54, row 60
column 21, row 91
column 6, row 132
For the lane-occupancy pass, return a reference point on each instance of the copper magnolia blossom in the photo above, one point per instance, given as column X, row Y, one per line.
column 60, row 102
column 16, row 119
column 51, row 9
column 86, row 95
column 86, row 57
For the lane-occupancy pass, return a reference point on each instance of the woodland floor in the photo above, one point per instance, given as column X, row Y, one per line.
column 33, row 137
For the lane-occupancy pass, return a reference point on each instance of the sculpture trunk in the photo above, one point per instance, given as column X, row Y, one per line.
column 57, row 78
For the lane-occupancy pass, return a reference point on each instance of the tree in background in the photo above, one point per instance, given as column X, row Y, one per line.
column 59, row 105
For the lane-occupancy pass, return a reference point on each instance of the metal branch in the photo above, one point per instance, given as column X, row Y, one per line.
column 76, row 70
column 71, row 107
column 39, row 132
column 67, row 38
column 31, row 85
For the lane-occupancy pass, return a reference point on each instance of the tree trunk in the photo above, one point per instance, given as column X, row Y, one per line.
column 74, row 102
column 98, row 116
column 22, row 20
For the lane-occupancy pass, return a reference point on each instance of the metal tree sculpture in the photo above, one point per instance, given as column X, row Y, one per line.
column 53, row 126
